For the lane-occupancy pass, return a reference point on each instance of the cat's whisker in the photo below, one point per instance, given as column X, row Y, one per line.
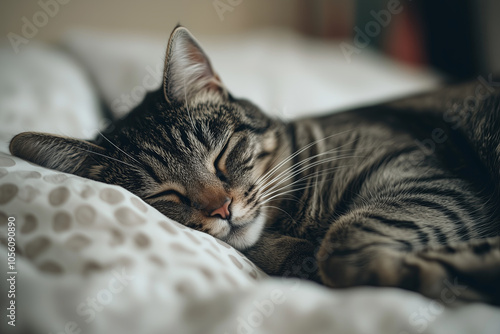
column 290, row 157
column 128, row 155
column 297, row 152
column 275, row 159
column 108, row 157
column 302, row 162
column 275, row 207
column 304, row 186
column 305, row 178
column 285, row 175
column 260, row 181
column 292, row 198
column 335, row 150
column 289, row 191
column 289, row 169
column 193, row 124
column 290, row 173
column 306, row 167
column 286, row 192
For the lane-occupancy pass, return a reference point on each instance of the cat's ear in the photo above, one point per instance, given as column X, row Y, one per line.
column 65, row 154
column 188, row 72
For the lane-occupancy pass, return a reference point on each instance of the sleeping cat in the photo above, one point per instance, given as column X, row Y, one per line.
column 403, row 194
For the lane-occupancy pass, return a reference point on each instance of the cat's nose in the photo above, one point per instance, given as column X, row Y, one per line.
column 223, row 211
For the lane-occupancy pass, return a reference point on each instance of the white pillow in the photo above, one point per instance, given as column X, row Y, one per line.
column 95, row 257
column 44, row 90
column 76, row 233
column 286, row 74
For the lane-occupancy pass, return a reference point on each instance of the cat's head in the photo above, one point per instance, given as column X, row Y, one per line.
column 190, row 149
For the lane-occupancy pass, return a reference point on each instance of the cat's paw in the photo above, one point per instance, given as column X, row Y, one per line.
column 373, row 266
column 463, row 272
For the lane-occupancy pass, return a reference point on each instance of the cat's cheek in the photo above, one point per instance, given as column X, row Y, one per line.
column 247, row 235
column 260, row 168
column 237, row 211
column 218, row 228
column 179, row 212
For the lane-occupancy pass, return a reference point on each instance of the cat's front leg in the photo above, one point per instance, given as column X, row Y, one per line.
column 469, row 270
column 354, row 253
column 280, row 255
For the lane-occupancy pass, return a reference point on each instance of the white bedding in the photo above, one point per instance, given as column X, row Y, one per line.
column 95, row 257
column 285, row 74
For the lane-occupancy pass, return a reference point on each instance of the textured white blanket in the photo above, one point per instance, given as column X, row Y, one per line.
column 93, row 258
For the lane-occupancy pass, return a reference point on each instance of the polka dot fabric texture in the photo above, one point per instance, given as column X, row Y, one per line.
column 78, row 231
column 94, row 258
column 67, row 224
column 75, row 232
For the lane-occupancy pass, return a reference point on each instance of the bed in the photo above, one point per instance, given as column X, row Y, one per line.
column 94, row 258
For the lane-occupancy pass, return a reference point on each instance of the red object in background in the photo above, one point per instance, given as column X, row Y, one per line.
column 405, row 40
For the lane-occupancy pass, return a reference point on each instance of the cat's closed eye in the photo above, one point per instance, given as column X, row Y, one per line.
column 263, row 154
column 220, row 163
column 171, row 195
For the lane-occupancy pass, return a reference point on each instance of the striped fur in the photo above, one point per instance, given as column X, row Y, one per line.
column 347, row 199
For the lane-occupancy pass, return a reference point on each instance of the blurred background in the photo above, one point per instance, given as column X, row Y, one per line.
column 68, row 66
column 458, row 37
column 289, row 56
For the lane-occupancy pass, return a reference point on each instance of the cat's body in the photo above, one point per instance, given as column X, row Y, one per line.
column 381, row 155
column 403, row 194
column 403, row 180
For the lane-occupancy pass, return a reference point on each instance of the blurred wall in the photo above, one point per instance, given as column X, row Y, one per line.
column 459, row 42
column 149, row 16
column 490, row 23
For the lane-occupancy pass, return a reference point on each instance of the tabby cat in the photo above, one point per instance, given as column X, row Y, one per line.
column 403, row 194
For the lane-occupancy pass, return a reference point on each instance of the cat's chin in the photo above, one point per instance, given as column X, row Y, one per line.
column 243, row 236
